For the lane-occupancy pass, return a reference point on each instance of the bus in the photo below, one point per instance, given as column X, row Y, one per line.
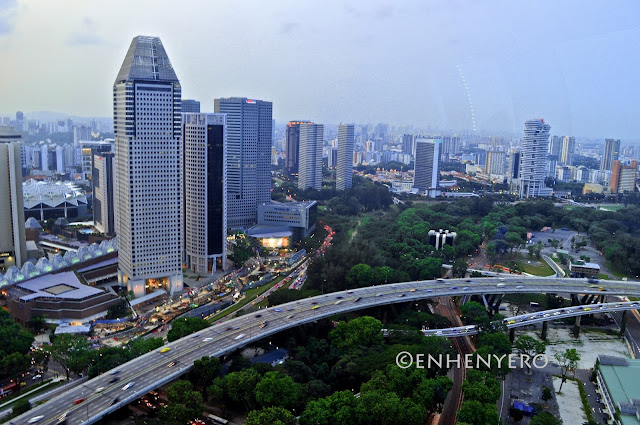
column 217, row 420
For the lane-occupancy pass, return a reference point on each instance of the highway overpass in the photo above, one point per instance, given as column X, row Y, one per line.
column 157, row 368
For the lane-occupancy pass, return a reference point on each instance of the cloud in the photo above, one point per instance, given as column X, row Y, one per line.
column 288, row 27
column 84, row 36
column 8, row 10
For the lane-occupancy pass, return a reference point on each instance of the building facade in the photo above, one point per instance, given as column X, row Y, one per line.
column 205, row 197
column 425, row 175
column 310, row 163
column 13, row 249
column 249, row 136
column 533, row 169
column 611, row 153
column 148, row 169
column 495, row 162
column 568, row 149
column 292, row 147
column 102, row 182
column 190, row 105
column 623, row 177
column 299, row 217
column 344, row 171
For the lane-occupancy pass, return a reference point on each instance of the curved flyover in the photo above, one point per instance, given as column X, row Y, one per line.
column 156, row 368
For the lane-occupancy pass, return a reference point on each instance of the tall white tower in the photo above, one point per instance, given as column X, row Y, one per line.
column 533, row 168
column 310, row 158
column 425, row 176
column 148, row 169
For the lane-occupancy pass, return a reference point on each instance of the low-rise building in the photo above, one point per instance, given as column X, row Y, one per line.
column 618, row 382
column 582, row 269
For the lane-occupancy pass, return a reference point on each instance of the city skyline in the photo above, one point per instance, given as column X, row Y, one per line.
column 471, row 74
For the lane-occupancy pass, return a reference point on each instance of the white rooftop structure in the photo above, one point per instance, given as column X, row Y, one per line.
column 61, row 285
column 52, row 194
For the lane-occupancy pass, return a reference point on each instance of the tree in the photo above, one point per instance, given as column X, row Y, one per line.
column 118, row 310
column 277, row 389
column 183, row 327
column 360, row 275
column 529, row 346
column 481, row 386
column 567, row 361
column 140, row 346
column 364, row 330
column 546, row 393
column 476, row 413
column 240, row 387
column 270, row 416
column 21, row 406
column 72, row 352
column 204, row 372
column 336, row 409
column 459, row 268
column 545, row 418
column 475, row 313
column 184, row 404
column 16, row 364
column 383, row 274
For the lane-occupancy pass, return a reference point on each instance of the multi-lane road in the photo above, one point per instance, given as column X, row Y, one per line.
column 157, row 368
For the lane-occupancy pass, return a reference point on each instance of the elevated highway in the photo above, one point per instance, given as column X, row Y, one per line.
column 102, row 395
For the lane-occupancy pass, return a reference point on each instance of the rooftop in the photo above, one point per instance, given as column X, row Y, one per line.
column 52, row 194
column 622, row 378
column 146, row 59
column 63, row 285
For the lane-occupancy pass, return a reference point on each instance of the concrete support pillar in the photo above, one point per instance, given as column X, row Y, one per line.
column 623, row 323
column 545, row 325
column 512, row 334
column 576, row 327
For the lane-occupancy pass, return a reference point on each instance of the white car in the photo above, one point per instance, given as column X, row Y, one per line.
column 207, row 339
column 239, row 337
column 35, row 419
column 99, row 389
column 129, row 385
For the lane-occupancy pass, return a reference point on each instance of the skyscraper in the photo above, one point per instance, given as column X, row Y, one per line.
column 425, row 171
column 555, row 146
column 190, row 105
column 495, row 163
column 102, row 184
column 292, row 140
column 249, row 135
column 623, row 177
column 535, row 148
column 148, row 169
column 514, row 166
column 345, row 156
column 310, row 164
column 568, row 149
column 205, row 200
column 611, row 153
column 408, row 143
column 13, row 250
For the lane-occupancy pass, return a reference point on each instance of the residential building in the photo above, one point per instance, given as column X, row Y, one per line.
column 249, row 136
column 332, row 158
column 611, row 153
column 555, row 146
column 408, row 144
column 495, row 163
column 533, row 170
column 623, row 177
column 13, row 249
column 190, row 105
column 425, row 176
column 102, row 182
column 310, row 159
column 292, row 148
column 568, row 149
column 148, row 169
column 205, row 197
column 344, row 172
column 440, row 238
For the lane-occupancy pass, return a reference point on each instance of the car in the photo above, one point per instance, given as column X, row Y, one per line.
column 587, row 309
column 165, row 349
column 339, row 297
column 290, row 309
column 412, row 290
column 466, row 288
column 195, row 336
column 228, row 328
column 428, row 290
column 500, row 285
column 258, row 316
column 520, row 287
column 172, row 364
column 315, row 306
column 38, row 376
column 473, row 282
column 556, row 313
column 99, row 389
column 63, row 418
column 207, row 339
column 338, row 302
column 277, row 309
column 439, row 280
column 114, row 379
column 263, row 324
column 511, row 322
column 239, row 337
column 78, row 400
column 35, row 419
column 580, row 307
column 349, row 292
column 127, row 386
column 115, row 372
column 379, row 294
column 289, row 316
column 454, row 288
column 402, row 295
column 438, row 332
column 114, row 401
column 357, row 299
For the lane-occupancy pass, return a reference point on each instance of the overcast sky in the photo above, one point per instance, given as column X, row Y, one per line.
column 574, row 63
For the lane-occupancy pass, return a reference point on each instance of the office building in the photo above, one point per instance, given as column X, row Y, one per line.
column 555, row 146
column 292, row 148
column 450, row 146
column 623, row 177
column 102, row 183
column 611, row 153
column 568, row 149
column 205, row 198
column 190, row 105
column 310, row 159
column 13, row 249
column 495, row 163
column 332, row 158
column 60, row 164
column 249, row 136
column 148, row 169
column 425, row 175
column 278, row 222
column 81, row 133
column 408, row 144
column 344, row 172
column 514, row 166
column 533, row 170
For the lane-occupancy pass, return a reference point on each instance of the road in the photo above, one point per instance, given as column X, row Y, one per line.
column 154, row 369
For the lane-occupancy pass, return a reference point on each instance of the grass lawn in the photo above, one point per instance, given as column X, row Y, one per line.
column 542, row 269
column 250, row 296
column 525, row 299
column 610, row 207
column 613, row 272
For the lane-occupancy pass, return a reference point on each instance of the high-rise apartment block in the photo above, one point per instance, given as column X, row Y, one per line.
column 568, row 149
column 623, row 177
column 148, row 169
column 408, row 144
column 425, row 175
column 611, row 153
column 102, row 182
column 205, row 198
column 292, row 147
column 249, row 136
column 344, row 172
column 310, row 163
column 190, row 105
column 495, row 163
column 533, row 169
column 13, row 250
column 555, row 146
